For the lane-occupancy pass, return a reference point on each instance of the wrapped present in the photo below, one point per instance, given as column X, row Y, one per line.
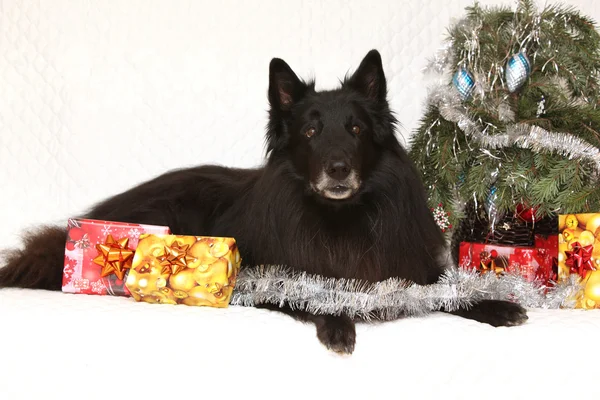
column 191, row 270
column 579, row 253
column 98, row 255
column 546, row 254
column 533, row 263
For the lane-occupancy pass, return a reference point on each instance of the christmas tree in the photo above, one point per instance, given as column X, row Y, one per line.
column 512, row 126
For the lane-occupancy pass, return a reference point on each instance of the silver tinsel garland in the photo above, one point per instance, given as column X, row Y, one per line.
column 518, row 134
column 393, row 298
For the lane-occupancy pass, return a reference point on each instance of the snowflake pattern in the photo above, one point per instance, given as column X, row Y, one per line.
column 81, row 284
column 83, row 243
column 517, row 267
column 98, row 287
column 134, row 233
column 69, row 269
column 465, row 262
column 441, row 217
column 106, row 230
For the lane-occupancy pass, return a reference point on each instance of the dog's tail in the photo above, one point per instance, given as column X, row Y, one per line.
column 39, row 264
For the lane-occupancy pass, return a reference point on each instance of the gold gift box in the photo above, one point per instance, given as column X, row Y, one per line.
column 191, row 270
column 580, row 234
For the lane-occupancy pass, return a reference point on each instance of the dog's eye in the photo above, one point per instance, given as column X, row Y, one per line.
column 356, row 129
column 310, row 132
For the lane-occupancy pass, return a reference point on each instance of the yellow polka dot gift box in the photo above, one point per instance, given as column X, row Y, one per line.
column 579, row 253
column 190, row 270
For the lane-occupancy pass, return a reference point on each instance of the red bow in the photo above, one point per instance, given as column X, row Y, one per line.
column 579, row 260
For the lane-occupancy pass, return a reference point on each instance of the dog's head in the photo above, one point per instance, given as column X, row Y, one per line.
column 332, row 138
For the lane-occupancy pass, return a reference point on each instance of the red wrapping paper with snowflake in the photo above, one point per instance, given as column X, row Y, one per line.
column 98, row 255
column 533, row 263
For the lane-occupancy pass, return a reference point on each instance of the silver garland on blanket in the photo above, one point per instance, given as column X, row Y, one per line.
column 393, row 298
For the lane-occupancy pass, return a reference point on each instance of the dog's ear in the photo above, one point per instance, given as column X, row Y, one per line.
column 369, row 78
column 285, row 89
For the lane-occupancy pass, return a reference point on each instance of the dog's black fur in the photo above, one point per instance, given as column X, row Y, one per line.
column 338, row 196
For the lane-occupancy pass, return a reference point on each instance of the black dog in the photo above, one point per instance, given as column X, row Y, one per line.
column 338, row 196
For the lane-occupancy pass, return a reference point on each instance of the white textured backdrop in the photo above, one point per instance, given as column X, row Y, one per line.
column 97, row 96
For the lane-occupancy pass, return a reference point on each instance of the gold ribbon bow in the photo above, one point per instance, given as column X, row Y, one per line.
column 175, row 258
column 114, row 256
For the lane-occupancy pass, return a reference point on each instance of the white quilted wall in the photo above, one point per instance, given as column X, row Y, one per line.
column 96, row 96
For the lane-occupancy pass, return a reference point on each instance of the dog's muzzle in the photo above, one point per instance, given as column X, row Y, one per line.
column 336, row 184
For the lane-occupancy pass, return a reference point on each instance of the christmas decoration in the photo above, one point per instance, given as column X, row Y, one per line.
column 191, row 270
column 527, row 214
column 114, row 257
column 579, row 260
column 393, row 298
column 533, row 263
column 464, row 83
column 175, row 258
column 518, row 69
column 441, row 217
column 526, row 146
column 98, row 255
column 579, row 255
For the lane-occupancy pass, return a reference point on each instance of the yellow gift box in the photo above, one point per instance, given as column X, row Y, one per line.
column 579, row 253
column 191, row 270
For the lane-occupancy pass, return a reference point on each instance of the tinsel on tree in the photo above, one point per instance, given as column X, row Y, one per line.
column 513, row 122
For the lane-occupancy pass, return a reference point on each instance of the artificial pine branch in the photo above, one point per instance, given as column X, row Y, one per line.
column 560, row 95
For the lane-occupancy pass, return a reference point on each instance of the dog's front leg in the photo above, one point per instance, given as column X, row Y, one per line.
column 337, row 333
column 494, row 312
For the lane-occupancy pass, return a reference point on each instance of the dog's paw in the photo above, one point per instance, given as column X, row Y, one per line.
column 495, row 313
column 337, row 333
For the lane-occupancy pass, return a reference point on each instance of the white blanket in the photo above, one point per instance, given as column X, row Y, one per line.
column 98, row 347
column 184, row 83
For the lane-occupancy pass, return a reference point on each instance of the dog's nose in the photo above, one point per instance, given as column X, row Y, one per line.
column 338, row 169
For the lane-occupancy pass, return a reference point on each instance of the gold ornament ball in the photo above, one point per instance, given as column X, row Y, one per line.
column 571, row 221
column 180, row 294
column 199, row 296
column 219, row 249
column 568, row 235
column 584, row 218
column 184, row 240
column 184, row 280
column 586, row 238
column 217, row 272
column 592, row 286
column 590, row 304
column 162, row 296
column 201, row 251
column 145, row 278
column 593, row 224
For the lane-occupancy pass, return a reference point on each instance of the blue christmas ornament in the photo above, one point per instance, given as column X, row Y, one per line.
column 518, row 69
column 464, row 82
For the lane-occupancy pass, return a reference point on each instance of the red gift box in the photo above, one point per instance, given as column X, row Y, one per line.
column 533, row 263
column 98, row 255
column 547, row 254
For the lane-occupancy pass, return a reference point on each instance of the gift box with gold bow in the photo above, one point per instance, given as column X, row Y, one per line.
column 538, row 262
column 99, row 254
column 579, row 253
column 191, row 270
